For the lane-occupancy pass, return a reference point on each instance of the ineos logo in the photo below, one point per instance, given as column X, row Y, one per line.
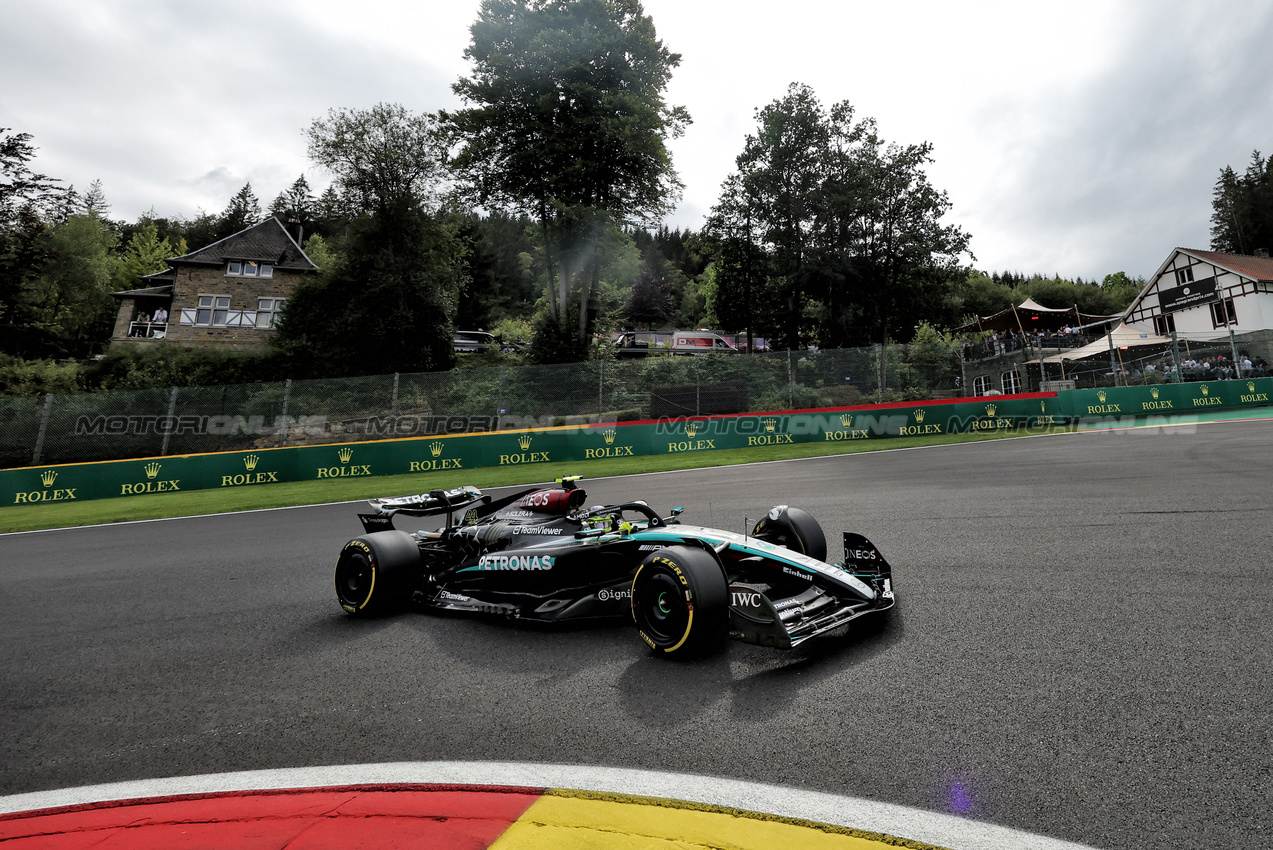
column 743, row 599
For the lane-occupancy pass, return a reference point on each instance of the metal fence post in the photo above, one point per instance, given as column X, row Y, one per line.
column 393, row 408
column 168, row 425
column 287, row 397
column 1177, row 369
column 44, row 428
column 499, row 399
column 601, row 389
column 1237, row 362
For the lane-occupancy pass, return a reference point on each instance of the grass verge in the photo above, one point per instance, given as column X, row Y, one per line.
column 196, row 502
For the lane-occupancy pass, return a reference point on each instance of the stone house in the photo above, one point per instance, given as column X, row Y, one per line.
column 225, row 295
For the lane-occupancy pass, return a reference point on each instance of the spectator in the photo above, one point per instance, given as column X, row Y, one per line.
column 161, row 316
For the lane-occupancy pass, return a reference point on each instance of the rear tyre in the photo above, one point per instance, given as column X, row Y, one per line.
column 373, row 572
column 680, row 601
column 793, row 529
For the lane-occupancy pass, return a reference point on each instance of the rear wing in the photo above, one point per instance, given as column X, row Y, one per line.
column 433, row 503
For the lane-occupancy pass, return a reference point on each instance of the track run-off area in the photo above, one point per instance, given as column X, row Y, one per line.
column 1081, row 651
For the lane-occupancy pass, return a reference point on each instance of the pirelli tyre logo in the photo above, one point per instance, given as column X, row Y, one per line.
column 436, row 461
column 250, row 475
column 154, row 482
column 608, row 436
column 46, row 493
column 346, row 469
column 524, row 442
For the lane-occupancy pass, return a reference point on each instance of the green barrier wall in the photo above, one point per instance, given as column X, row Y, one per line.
column 760, row 432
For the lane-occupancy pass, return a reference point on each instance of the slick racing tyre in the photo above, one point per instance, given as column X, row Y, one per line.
column 793, row 529
column 373, row 571
column 680, row 601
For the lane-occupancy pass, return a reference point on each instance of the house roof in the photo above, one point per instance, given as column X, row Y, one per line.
column 150, row 290
column 1256, row 268
column 267, row 242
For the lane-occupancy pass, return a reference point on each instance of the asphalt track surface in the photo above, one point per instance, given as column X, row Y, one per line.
column 1082, row 648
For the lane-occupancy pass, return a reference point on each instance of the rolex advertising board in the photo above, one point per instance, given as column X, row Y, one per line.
column 761, row 432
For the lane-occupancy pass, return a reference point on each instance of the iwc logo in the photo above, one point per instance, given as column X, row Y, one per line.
column 608, row 436
column 49, row 494
column 152, row 484
column 346, row 469
column 251, row 476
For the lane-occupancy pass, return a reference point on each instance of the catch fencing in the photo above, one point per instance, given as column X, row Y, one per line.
column 163, row 421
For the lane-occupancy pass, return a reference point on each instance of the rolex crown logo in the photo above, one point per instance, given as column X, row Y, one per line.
column 1250, row 386
column 524, row 441
column 608, row 435
column 1205, row 389
column 990, row 409
column 770, row 425
column 1101, row 395
column 691, row 428
column 48, row 476
column 847, row 420
column 920, row 413
column 435, row 449
column 152, row 469
column 1154, row 392
column 250, row 461
column 345, row 454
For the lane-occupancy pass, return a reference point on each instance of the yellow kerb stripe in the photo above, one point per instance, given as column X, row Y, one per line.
column 565, row 820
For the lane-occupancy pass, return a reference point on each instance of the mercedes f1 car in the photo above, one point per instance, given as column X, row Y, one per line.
column 541, row 555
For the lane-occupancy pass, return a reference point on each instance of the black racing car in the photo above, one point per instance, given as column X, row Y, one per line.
column 541, row 555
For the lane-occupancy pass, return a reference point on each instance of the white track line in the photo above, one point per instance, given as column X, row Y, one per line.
column 943, row 830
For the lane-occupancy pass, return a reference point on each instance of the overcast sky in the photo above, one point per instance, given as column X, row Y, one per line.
column 1081, row 139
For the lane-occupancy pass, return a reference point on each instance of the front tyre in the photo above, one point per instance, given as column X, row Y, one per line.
column 680, row 601
column 373, row 572
column 793, row 529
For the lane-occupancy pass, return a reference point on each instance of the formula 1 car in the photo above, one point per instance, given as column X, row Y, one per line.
column 540, row 555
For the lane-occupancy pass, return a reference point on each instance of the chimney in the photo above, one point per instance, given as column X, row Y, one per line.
column 295, row 229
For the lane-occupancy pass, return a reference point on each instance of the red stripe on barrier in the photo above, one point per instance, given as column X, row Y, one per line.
column 363, row 817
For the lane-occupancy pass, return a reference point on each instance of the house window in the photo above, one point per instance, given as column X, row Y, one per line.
column 1011, row 382
column 248, row 268
column 1222, row 313
column 1165, row 325
column 981, row 385
column 213, row 310
column 267, row 310
column 1184, row 275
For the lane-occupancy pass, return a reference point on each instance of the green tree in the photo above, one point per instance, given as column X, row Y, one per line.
column 243, row 211
column 71, row 295
column 24, row 194
column 145, row 253
column 296, row 203
column 1242, row 208
column 566, row 122
column 389, row 300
